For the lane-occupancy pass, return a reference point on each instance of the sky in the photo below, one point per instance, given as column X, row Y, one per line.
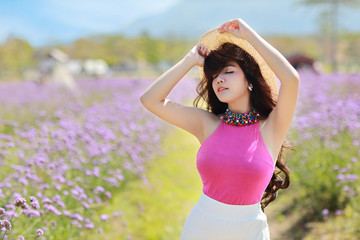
column 51, row 20
column 44, row 22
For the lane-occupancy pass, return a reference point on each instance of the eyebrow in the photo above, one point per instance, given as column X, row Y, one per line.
column 229, row 65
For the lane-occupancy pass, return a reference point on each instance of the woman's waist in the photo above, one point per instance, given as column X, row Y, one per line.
column 219, row 208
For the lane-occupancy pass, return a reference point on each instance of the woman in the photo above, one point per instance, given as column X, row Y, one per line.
column 242, row 132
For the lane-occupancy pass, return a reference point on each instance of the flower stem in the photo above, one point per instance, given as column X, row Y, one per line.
column 10, row 222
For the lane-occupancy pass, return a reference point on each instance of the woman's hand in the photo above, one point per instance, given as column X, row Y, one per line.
column 236, row 27
column 197, row 55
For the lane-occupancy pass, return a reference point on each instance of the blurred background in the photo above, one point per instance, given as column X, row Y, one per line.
column 75, row 139
column 129, row 38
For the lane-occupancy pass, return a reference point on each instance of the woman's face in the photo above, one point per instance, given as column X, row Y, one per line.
column 230, row 84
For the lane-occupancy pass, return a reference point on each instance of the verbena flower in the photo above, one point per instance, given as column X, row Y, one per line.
column 19, row 201
column 51, row 208
column 39, row 232
column 104, row 217
column 34, row 202
column 5, row 223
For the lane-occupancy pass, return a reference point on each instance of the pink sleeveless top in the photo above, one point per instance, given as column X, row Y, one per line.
column 234, row 164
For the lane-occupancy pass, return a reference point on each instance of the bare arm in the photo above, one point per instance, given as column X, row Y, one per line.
column 154, row 98
column 280, row 118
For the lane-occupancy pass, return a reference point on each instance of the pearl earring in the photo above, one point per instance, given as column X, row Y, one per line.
column 250, row 87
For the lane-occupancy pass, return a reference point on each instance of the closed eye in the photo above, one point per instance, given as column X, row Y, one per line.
column 230, row 72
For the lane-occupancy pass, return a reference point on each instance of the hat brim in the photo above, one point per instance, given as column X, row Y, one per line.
column 214, row 39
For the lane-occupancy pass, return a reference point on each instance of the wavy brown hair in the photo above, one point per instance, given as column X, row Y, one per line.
column 260, row 99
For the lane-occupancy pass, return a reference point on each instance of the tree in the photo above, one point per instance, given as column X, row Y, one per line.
column 330, row 21
column 16, row 55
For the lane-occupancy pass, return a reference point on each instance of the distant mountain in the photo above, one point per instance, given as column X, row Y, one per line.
column 191, row 18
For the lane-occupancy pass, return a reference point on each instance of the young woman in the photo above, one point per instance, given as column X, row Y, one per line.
column 242, row 131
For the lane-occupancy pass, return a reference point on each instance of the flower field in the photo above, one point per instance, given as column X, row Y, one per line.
column 65, row 155
column 326, row 133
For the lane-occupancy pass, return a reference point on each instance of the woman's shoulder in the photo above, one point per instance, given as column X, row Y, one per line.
column 211, row 122
column 210, row 117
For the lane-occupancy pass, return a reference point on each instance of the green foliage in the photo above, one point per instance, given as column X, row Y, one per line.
column 16, row 55
column 306, row 45
column 117, row 50
column 316, row 172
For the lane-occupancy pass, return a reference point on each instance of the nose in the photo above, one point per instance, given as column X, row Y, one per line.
column 219, row 79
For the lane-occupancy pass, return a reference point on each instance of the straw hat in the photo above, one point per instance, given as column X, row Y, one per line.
column 59, row 55
column 214, row 39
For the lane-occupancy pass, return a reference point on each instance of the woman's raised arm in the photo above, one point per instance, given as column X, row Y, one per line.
column 154, row 98
column 281, row 116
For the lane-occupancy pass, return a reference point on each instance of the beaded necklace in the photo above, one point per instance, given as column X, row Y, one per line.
column 240, row 119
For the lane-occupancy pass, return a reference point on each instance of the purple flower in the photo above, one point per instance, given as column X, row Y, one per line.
column 34, row 202
column 56, row 198
column 85, row 204
column 108, row 194
column 338, row 212
column 21, row 238
column 104, row 217
column 32, row 213
column 74, row 222
column 39, row 233
column 51, row 208
column 19, row 201
column 98, row 190
column 325, row 212
column 6, row 224
column 89, row 225
column 25, row 206
column 352, row 177
column 2, row 211
column 77, row 217
column 67, row 213
column 46, row 201
column 61, row 204
column 340, row 177
column 11, row 213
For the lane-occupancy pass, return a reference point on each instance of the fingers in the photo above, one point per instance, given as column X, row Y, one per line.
column 224, row 26
column 229, row 26
column 203, row 50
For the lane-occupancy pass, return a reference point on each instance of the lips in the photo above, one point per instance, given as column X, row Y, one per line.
column 220, row 89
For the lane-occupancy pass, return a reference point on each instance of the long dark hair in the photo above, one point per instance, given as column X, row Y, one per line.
column 260, row 98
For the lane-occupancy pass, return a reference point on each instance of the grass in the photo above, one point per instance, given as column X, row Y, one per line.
column 158, row 209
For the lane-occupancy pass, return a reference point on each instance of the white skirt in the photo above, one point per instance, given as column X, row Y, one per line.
column 214, row 220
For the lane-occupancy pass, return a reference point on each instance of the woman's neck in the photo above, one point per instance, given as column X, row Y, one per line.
column 243, row 107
